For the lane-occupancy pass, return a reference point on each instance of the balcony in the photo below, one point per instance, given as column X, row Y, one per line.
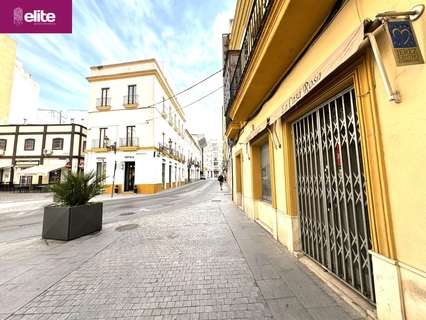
column 98, row 146
column 259, row 14
column 128, row 143
column 103, row 104
column 131, row 102
column 265, row 57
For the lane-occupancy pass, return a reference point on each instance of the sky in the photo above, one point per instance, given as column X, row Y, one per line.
column 183, row 35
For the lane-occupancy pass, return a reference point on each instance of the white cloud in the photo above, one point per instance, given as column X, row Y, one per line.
column 186, row 43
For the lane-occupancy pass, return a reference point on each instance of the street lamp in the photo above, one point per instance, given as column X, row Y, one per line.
column 170, row 144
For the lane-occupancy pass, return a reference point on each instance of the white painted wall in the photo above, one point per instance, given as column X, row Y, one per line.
column 25, row 97
column 154, row 123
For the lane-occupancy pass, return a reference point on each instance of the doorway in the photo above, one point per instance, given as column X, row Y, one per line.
column 238, row 179
column 129, row 176
column 331, row 194
column 163, row 175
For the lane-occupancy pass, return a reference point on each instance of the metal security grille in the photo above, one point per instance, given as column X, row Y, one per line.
column 331, row 192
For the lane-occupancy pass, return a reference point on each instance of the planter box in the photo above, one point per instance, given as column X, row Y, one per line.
column 67, row 223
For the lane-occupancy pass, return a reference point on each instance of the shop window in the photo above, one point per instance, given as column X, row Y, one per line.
column 29, row 144
column 25, row 180
column 265, row 173
column 57, row 144
column 262, row 166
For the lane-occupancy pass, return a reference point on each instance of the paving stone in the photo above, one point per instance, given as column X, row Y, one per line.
column 329, row 313
column 206, row 261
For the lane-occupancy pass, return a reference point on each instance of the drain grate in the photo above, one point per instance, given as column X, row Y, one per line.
column 216, row 200
column 127, row 227
column 127, row 213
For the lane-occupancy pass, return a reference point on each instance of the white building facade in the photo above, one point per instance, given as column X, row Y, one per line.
column 37, row 155
column 24, row 97
column 136, row 130
column 213, row 158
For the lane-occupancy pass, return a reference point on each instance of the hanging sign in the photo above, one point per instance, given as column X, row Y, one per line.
column 404, row 42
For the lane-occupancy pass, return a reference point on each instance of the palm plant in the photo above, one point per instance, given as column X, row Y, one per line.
column 77, row 189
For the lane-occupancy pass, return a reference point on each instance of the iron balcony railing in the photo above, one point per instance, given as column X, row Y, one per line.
column 132, row 99
column 128, row 142
column 259, row 14
column 96, row 143
column 103, row 102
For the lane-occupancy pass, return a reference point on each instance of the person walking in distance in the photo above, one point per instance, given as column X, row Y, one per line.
column 220, row 179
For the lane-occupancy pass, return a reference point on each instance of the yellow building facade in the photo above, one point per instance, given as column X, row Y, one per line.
column 328, row 140
column 7, row 66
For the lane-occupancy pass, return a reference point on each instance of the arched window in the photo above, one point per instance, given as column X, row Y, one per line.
column 57, row 144
column 29, row 144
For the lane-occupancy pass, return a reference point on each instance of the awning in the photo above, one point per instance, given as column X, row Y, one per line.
column 343, row 53
column 44, row 168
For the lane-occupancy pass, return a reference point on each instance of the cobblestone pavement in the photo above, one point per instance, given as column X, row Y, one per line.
column 205, row 261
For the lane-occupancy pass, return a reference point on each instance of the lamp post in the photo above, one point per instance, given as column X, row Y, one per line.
column 170, row 145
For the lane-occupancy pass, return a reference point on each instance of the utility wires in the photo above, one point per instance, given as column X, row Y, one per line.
column 185, row 90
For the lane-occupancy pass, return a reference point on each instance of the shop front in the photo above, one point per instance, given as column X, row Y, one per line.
column 320, row 165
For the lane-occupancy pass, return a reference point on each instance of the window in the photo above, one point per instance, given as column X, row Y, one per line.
column 84, row 146
column 164, row 105
column 130, row 135
column 3, row 143
column 104, row 96
column 131, row 94
column 102, row 136
column 100, row 170
column 265, row 172
column 25, row 180
column 57, row 144
column 29, row 144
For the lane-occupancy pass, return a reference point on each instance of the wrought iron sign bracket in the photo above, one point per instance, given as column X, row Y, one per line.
column 403, row 40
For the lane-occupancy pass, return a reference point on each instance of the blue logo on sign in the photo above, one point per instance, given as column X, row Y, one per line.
column 401, row 34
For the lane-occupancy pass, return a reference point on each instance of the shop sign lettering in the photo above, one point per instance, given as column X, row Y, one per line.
column 303, row 91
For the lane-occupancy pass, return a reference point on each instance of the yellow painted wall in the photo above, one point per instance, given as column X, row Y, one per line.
column 7, row 65
column 402, row 127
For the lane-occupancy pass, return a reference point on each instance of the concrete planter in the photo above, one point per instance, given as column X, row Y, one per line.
column 67, row 223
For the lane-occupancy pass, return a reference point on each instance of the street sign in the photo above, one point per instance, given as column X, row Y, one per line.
column 404, row 42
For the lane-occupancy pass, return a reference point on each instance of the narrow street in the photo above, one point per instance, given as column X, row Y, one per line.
column 185, row 254
column 24, row 224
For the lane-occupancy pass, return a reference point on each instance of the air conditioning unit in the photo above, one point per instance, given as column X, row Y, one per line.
column 47, row 152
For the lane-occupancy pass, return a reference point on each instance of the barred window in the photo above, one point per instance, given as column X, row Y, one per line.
column 57, row 144
column 265, row 172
